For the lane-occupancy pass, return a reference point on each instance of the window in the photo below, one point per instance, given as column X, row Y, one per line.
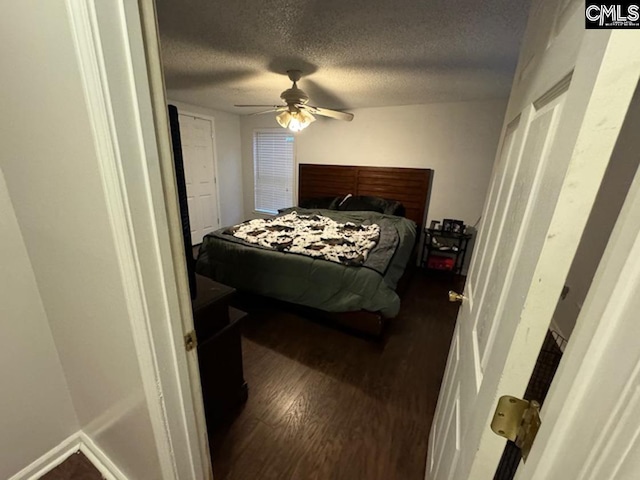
column 272, row 170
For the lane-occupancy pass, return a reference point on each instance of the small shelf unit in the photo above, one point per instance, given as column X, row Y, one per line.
column 444, row 251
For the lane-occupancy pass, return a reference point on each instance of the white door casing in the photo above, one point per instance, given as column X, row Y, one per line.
column 196, row 135
column 125, row 93
column 182, row 314
column 571, row 91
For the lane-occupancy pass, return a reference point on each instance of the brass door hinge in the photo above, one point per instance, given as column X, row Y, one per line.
column 190, row 341
column 517, row 420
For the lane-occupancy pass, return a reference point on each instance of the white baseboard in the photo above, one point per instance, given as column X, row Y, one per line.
column 100, row 460
column 79, row 441
column 49, row 460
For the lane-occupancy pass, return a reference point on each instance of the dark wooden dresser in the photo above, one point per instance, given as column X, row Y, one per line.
column 217, row 328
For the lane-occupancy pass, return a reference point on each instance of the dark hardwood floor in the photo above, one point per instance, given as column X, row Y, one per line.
column 327, row 405
column 75, row 467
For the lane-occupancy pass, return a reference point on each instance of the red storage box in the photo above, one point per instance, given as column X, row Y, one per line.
column 441, row 263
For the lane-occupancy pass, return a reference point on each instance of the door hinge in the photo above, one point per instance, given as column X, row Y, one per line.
column 517, row 420
column 190, row 341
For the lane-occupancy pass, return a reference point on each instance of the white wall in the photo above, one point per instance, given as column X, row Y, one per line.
column 36, row 411
column 53, row 177
column 229, row 164
column 457, row 140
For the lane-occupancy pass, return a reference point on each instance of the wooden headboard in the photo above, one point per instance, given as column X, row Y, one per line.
column 410, row 186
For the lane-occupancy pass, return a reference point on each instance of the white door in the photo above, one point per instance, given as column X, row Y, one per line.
column 590, row 427
column 196, row 135
column 570, row 94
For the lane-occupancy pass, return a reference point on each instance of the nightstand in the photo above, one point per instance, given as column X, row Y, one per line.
column 444, row 251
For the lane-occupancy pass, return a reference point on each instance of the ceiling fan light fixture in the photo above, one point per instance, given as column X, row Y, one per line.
column 296, row 113
column 295, row 121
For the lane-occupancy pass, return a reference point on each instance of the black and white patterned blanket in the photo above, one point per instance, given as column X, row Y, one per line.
column 313, row 235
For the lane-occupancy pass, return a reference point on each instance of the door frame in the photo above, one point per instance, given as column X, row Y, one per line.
column 126, row 90
column 191, row 113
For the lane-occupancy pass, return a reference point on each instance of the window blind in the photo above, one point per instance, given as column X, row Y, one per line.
column 273, row 170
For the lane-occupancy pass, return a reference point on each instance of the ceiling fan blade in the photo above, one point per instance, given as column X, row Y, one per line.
column 261, row 106
column 326, row 112
column 279, row 109
column 323, row 96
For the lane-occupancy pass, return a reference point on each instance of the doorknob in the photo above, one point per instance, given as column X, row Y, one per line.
column 455, row 296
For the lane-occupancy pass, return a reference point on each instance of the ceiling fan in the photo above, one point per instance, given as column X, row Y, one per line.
column 297, row 114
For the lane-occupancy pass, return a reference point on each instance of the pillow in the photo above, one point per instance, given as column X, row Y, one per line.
column 395, row 208
column 358, row 203
column 329, row 203
column 372, row 204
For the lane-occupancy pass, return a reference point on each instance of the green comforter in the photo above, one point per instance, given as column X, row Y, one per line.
column 308, row 281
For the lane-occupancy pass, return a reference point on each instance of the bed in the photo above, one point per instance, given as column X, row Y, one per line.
column 354, row 289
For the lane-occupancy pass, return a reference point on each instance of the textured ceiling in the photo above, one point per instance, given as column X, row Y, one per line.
column 353, row 53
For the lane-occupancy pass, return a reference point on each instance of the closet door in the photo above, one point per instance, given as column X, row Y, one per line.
column 202, row 197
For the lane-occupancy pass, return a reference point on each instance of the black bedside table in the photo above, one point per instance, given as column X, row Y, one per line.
column 445, row 245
